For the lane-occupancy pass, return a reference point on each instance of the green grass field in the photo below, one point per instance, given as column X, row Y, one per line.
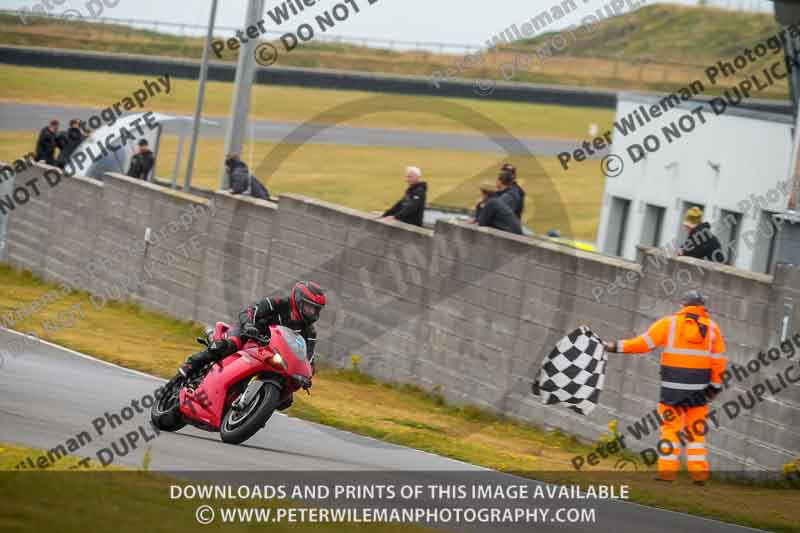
column 298, row 105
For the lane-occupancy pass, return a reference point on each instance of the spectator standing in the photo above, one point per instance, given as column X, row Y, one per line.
column 515, row 188
column 142, row 163
column 69, row 141
column 496, row 213
column 240, row 179
column 700, row 242
column 508, row 193
column 411, row 208
column 47, row 143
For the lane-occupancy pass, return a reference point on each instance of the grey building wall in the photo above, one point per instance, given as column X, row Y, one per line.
column 467, row 311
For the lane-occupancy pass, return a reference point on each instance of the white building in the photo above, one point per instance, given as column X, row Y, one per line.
column 734, row 166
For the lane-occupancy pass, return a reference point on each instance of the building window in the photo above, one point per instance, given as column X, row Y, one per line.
column 617, row 223
column 766, row 239
column 653, row 225
column 727, row 230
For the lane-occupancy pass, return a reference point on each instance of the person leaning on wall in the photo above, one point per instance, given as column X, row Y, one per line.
column 411, row 207
column 495, row 213
column 240, row 179
column 700, row 242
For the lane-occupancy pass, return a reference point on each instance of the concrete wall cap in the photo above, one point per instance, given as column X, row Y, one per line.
column 249, row 199
column 152, row 186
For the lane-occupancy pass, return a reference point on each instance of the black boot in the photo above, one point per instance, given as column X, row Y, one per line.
column 216, row 350
column 194, row 363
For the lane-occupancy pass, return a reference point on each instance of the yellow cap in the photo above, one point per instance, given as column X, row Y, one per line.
column 694, row 216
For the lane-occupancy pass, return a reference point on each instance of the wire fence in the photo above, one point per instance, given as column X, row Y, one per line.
column 181, row 29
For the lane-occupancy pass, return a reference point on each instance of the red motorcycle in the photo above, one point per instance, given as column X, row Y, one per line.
column 238, row 394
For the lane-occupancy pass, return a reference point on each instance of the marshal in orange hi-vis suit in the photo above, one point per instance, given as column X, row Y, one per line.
column 692, row 363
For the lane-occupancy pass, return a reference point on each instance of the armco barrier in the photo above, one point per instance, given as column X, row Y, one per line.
column 467, row 311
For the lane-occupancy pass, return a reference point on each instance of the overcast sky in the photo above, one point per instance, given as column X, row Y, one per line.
column 451, row 21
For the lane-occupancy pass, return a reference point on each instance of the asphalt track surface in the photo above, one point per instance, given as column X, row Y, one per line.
column 25, row 117
column 49, row 394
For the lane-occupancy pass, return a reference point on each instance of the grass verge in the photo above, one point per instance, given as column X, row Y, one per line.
column 399, row 414
column 122, row 501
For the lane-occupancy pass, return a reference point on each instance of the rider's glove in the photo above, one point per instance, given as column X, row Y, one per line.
column 250, row 331
column 711, row 392
column 611, row 347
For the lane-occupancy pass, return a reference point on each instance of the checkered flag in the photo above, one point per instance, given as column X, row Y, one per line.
column 574, row 372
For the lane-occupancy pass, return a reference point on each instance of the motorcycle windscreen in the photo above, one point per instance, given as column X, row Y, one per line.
column 295, row 342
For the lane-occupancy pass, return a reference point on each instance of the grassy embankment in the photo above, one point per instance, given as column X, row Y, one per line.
column 658, row 47
column 399, row 414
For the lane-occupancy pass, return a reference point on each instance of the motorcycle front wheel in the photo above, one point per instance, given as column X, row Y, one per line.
column 238, row 426
column 166, row 411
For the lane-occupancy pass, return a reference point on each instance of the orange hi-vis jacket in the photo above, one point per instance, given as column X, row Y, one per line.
column 692, row 357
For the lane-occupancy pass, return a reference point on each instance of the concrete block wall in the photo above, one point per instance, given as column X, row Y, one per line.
column 375, row 275
column 40, row 224
column 236, row 248
column 467, row 311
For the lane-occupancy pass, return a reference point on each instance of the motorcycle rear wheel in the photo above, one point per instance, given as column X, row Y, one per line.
column 166, row 411
column 238, row 426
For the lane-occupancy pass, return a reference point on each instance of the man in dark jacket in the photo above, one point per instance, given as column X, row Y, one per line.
column 142, row 163
column 509, row 194
column 412, row 206
column 241, row 181
column 299, row 311
column 69, row 141
column 47, row 143
column 496, row 213
column 518, row 192
column 700, row 242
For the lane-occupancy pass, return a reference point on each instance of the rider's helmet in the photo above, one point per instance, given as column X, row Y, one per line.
column 307, row 301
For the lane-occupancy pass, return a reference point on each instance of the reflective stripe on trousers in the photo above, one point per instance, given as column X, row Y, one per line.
column 683, row 426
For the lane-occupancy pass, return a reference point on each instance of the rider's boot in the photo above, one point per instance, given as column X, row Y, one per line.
column 215, row 351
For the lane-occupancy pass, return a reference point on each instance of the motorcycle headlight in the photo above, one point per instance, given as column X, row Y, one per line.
column 278, row 361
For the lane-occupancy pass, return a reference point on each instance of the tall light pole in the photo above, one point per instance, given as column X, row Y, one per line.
column 201, row 91
column 240, row 105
